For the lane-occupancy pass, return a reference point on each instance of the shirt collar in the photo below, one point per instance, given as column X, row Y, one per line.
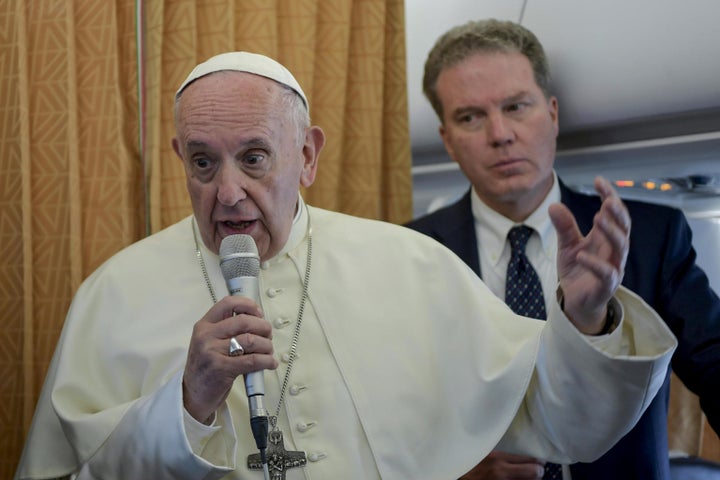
column 496, row 226
column 298, row 231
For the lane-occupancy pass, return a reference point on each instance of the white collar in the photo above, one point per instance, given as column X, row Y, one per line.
column 497, row 226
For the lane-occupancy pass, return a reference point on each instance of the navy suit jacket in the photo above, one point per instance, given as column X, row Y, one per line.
column 661, row 269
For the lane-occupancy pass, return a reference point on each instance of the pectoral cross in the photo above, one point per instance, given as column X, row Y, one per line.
column 279, row 459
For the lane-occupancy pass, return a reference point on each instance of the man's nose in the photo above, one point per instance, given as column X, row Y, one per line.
column 499, row 131
column 231, row 185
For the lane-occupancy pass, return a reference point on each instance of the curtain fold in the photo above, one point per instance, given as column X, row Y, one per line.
column 68, row 198
column 349, row 56
column 85, row 154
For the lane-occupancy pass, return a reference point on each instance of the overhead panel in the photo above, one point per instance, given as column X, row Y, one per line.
column 618, row 60
column 426, row 20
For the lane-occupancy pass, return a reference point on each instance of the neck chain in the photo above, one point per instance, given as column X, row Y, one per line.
column 298, row 323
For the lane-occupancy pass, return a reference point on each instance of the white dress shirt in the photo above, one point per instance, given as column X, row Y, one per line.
column 491, row 229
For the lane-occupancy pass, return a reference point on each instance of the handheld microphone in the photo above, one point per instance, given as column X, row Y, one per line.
column 240, row 265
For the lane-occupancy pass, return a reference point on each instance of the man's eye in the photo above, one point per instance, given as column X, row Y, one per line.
column 516, row 107
column 253, row 159
column 201, row 162
column 466, row 118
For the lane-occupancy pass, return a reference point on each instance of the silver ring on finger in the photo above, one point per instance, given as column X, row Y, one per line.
column 235, row 349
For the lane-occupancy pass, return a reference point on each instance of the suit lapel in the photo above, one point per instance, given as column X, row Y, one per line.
column 457, row 232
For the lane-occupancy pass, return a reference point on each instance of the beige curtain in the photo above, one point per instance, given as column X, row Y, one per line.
column 85, row 129
column 349, row 56
column 70, row 178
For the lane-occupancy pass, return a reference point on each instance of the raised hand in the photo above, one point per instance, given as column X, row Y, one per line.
column 591, row 268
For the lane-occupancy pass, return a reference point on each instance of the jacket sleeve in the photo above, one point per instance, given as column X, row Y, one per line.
column 590, row 388
column 692, row 310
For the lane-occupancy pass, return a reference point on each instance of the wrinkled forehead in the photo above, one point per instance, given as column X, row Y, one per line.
column 245, row 62
column 231, row 108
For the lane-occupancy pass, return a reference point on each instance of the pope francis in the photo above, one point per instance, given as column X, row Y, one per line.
column 383, row 355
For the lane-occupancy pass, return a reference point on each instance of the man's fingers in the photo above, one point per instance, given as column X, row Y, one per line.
column 613, row 202
column 603, row 187
column 240, row 324
column 513, row 458
column 567, row 230
column 249, row 342
column 501, row 466
column 230, row 306
column 611, row 225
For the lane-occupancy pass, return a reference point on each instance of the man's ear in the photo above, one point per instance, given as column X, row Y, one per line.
column 176, row 147
column 554, row 113
column 314, row 142
column 448, row 146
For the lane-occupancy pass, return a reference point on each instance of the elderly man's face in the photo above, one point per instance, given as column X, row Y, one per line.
column 245, row 158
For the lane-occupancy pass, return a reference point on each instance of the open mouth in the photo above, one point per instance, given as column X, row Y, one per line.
column 238, row 225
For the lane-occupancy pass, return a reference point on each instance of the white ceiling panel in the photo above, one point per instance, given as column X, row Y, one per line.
column 426, row 20
column 612, row 60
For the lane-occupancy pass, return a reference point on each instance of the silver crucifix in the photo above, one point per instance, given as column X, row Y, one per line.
column 279, row 459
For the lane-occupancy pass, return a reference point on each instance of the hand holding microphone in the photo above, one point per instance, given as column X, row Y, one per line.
column 240, row 264
column 210, row 370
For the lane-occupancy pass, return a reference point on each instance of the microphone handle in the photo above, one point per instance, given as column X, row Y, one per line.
column 254, row 382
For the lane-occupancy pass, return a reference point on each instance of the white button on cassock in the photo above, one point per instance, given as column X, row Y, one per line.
column 316, row 456
column 286, row 356
column 296, row 389
column 273, row 292
column 304, row 427
column 281, row 322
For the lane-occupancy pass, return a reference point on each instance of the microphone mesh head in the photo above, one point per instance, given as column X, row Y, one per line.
column 239, row 257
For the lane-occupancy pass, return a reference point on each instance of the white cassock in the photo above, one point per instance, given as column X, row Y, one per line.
column 407, row 365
